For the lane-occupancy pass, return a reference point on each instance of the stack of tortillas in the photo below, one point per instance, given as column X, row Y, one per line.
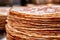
column 3, row 16
column 34, row 23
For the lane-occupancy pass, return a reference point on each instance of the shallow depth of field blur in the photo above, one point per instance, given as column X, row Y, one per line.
column 10, row 3
column 26, row 2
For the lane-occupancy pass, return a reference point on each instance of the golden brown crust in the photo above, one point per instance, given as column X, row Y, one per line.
column 2, row 22
column 55, row 15
column 3, row 16
column 27, row 26
column 17, row 38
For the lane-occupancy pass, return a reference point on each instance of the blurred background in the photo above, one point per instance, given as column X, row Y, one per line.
column 26, row 2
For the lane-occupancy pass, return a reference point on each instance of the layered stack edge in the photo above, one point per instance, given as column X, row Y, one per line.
column 2, row 22
column 4, row 11
column 24, row 26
